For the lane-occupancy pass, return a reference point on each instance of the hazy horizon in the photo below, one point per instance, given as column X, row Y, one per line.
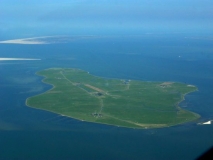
column 24, row 19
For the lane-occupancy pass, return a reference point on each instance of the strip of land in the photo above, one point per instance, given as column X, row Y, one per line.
column 18, row 59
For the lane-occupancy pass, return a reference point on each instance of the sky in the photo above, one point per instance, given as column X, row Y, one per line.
column 30, row 18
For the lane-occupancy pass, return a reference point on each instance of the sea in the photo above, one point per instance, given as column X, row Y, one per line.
column 28, row 133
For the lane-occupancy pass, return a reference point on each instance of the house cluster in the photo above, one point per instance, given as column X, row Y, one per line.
column 97, row 115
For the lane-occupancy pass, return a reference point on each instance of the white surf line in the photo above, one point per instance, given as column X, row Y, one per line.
column 18, row 59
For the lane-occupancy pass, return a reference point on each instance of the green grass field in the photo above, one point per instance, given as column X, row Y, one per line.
column 126, row 103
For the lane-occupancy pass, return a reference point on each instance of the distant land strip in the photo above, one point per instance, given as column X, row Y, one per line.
column 18, row 59
column 45, row 39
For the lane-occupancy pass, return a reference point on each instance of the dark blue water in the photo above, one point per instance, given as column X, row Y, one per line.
column 27, row 133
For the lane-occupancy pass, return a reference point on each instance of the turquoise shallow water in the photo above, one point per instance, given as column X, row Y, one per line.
column 27, row 133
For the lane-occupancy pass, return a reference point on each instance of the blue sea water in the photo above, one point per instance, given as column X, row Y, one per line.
column 27, row 133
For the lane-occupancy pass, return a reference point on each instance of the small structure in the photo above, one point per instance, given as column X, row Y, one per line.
column 126, row 81
column 97, row 115
column 99, row 94
column 163, row 86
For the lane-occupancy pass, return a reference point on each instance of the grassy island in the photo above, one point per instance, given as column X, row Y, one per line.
column 126, row 103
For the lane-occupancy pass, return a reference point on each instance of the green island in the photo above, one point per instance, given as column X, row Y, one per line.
column 119, row 102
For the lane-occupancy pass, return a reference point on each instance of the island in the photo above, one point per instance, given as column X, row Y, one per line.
column 120, row 102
